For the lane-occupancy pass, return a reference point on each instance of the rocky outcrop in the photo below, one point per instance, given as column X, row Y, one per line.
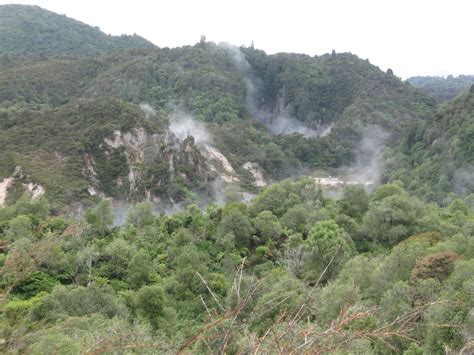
column 4, row 185
column 256, row 172
column 154, row 161
column 26, row 181
column 91, row 175
column 219, row 164
column 34, row 189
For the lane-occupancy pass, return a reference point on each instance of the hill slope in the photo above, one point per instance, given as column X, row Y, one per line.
column 32, row 31
column 442, row 89
column 116, row 124
column 438, row 156
column 204, row 83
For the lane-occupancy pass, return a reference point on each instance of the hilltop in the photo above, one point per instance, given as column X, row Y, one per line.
column 32, row 31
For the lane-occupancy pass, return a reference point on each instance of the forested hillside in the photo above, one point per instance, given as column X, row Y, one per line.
column 115, row 124
column 291, row 272
column 437, row 157
column 219, row 199
column 443, row 89
column 34, row 32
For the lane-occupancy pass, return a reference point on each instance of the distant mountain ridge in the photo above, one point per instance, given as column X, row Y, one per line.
column 443, row 89
column 32, row 31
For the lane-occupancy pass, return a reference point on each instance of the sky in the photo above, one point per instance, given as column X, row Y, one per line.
column 412, row 37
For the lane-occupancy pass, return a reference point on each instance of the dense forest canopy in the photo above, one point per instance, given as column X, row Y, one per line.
column 219, row 199
column 292, row 271
column 443, row 89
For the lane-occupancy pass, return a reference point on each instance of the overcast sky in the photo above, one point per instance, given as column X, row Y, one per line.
column 412, row 37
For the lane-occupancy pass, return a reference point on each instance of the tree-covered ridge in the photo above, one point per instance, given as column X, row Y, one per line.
column 334, row 87
column 51, row 82
column 292, row 271
column 437, row 156
column 237, row 95
column 442, row 89
column 33, row 31
column 218, row 85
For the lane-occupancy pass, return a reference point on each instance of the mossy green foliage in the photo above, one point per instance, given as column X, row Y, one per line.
column 437, row 157
column 76, row 280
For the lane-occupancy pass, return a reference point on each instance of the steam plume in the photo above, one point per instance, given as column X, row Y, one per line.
column 368, row 166
column 183, row 125
column 282, row 123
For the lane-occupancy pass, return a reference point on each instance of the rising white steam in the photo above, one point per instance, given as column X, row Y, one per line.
column 369, row 163
column 183, row 125
column 281, row 123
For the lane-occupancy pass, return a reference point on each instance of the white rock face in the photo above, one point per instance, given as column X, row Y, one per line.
column 256, row 172
column 90, row 173
column 91, row 191
column 216, row 155
column 228, row 178
column 4, row 185
column 116, row 142
column 134, row 142
column 35, row 189
column 142, row 148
